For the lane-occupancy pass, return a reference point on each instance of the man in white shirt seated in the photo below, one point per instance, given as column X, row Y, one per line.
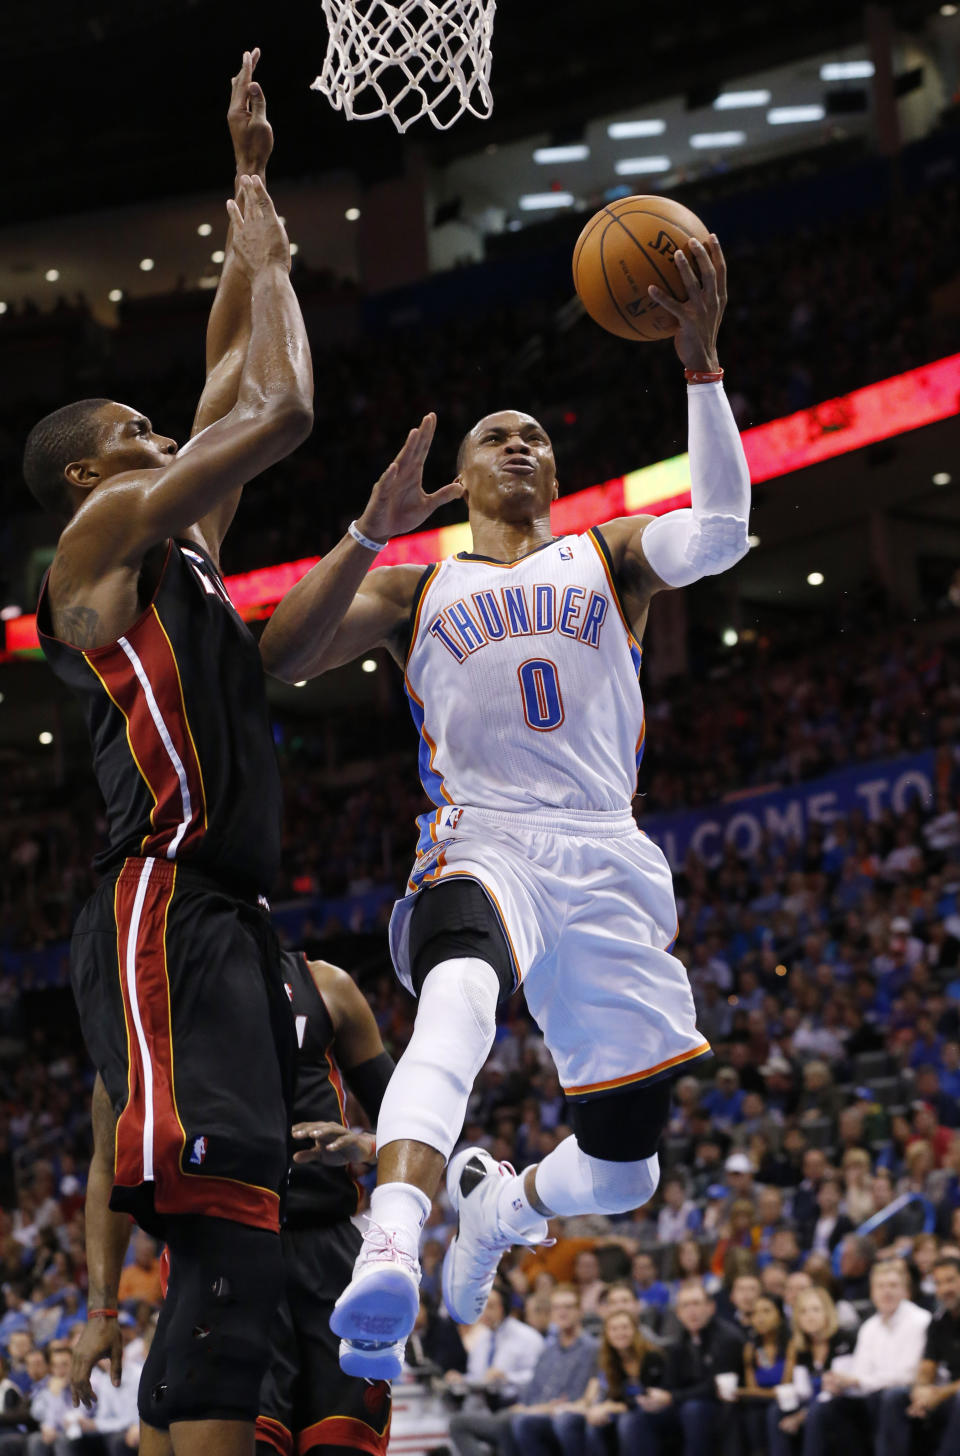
column 870, row 1383
column 115, row 1416
column 501, row 1358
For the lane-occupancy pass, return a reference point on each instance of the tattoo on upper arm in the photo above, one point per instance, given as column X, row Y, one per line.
column 79, row 626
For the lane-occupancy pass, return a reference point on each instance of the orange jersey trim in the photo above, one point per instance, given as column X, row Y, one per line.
column 701, row 1051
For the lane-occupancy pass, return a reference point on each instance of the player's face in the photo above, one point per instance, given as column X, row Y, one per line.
column 128, row 442
column 508, row 467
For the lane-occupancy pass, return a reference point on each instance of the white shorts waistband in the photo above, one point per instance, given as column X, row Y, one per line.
column 593, row 823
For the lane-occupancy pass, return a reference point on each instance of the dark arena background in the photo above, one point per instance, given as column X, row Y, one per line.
column 802, row 770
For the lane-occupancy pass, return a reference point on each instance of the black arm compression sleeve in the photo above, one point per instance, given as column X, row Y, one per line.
column 368, row 1082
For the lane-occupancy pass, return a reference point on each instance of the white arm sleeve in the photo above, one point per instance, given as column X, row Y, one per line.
column 711, row 536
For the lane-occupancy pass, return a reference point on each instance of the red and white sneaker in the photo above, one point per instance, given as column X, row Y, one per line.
column 378, row 1309
column 474, row 1181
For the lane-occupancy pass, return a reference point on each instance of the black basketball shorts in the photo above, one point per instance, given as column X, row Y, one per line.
column 306, row 1400
column 184, row 1014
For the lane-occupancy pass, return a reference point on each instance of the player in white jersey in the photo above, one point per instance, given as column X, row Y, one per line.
column 521, row 665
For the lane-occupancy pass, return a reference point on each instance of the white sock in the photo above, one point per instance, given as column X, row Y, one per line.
column 426, row 1100
column 515, row 1213
column 401, row 1208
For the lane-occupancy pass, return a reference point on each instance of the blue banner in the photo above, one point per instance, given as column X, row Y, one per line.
column 785, row 814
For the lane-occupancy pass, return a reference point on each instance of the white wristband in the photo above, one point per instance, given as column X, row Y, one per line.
column 354, row 530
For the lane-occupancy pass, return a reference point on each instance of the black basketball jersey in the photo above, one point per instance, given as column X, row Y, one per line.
column 316, row 1195
column 176, row 710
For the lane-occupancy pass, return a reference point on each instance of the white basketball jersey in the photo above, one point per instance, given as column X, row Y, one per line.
column 523, row 681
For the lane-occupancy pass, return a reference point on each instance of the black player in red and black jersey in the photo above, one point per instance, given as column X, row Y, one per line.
column 306, row 1400
column 175, row 966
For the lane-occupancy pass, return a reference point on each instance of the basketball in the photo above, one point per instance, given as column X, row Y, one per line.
column 624, row 248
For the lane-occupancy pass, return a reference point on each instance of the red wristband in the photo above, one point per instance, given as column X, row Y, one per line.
column 101, row 1314
column 703, row 376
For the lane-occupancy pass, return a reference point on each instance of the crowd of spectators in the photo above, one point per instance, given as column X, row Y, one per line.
column 827, row 976
column 769, row 717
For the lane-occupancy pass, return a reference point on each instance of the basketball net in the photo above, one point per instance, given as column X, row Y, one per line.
column 408, row 59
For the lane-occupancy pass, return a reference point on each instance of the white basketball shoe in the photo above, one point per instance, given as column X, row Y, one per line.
column 474, row 1182
column 378, row 1309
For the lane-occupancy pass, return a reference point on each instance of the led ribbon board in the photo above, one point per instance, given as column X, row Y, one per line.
column 891, row 407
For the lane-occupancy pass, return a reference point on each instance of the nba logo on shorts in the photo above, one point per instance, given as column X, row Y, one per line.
column 198, row 1152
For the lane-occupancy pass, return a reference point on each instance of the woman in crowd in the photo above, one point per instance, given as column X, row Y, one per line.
column 764, row 1368
column 690, row 1261
column 610, row 1417
column 814, row 1343
column 858, row 1199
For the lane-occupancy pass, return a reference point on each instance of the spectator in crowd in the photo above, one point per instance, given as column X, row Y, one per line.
column 932, row 1405
column 589, row 1285
column 501, row 1359
column 115, row 1417
column 745, row 1290
column 622, row 1399
column 651, row 1292
column 738, row 1232
column 51, row 1406
column 690, row 1261
column 435, row 1343
column 764, row 1359
column 678, row 1214
column 815, row 1342
column 856, row 1260
column 689, row 1402
column 14, row 1414
column 886, row 1357
column 140, row 1279
column 857, row 1201
column 832, row 1225
column 561, row 1375
column 19, row 1345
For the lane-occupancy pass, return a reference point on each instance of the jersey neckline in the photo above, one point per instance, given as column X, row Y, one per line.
column 493, row 561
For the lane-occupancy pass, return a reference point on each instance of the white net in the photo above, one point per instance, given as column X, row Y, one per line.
column 408, row 59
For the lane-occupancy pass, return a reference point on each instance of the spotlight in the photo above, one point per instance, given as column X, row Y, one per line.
column 294, row 249
column 3, row 306
column 301, row 684
column 115, row 295
column 942, row 477
column 10, row 613
column 45, row 738
column 352, row 214
column 146, row 265
column 204, row 230
column 814, row 578
column 781, row 970
column 218, row 256
column 730, row 637
column 52, row 274
column 368, row 665
column 753, row 542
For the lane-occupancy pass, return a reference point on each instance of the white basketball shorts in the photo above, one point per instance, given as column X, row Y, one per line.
column 587, row 907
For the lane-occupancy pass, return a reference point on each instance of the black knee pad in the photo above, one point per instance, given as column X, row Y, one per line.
column 211, row 1348
column 624, row 1126
column 453, row 920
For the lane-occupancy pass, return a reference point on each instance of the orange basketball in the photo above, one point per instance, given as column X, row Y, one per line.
column 624, row 248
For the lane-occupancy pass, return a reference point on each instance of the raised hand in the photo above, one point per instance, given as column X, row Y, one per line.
column 699, row 316
column 259, row 238
column 398, row 501
column 250, row 131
